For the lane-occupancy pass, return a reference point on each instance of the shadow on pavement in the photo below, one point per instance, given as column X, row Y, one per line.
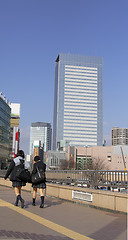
column 113, row 228
column 32, row 236
column 47, row 203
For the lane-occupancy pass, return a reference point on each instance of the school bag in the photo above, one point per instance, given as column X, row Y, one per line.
column 23, row 174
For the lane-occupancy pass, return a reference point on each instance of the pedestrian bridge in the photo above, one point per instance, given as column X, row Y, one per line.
column 113, row 201
column 58, row 220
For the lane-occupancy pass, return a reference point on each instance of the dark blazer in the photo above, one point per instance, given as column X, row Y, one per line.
column 12, row 171
column 40, row 165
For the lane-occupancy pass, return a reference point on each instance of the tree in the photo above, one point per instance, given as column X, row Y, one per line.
column 70, row 164
column 98, row 164
column 63, row 164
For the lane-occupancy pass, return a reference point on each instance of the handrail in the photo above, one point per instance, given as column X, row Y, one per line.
column 92, row 178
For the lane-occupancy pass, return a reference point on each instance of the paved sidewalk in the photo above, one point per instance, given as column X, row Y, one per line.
column 58, row 220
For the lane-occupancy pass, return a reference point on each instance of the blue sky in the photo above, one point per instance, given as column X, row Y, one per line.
column 33, row 32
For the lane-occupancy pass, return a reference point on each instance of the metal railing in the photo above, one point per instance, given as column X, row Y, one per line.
column 91, row 178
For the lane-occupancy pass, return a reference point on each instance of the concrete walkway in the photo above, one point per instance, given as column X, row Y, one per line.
column 58, row 220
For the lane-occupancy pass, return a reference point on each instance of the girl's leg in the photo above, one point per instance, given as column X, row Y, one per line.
column 34, row 196
column 20, row 190
column 42, row 193
column 17, row 191
column 18, row 196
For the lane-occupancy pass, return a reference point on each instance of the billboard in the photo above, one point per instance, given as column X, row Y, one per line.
column 37, row 143
column 15, row 109
column 15, row 144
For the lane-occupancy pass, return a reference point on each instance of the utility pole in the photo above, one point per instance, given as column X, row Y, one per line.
column 86, row 157
column 123, row 159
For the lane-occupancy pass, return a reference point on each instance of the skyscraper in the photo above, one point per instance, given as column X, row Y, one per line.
column 14, row 129
column 5, row 116
column 119, row 136
column 40, row 131
column 78, row 100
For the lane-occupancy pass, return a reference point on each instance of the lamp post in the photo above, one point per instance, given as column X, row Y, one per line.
column 86, row 156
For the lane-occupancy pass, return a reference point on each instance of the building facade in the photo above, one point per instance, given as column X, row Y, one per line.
column 103, row 157
column 14, row 129
column 42, row 132
column 5, row 115
column 53, row 159
column 119, row 136
column 38, row 150
column 78, row 100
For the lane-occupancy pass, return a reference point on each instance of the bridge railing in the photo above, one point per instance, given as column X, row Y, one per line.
column 92, row 178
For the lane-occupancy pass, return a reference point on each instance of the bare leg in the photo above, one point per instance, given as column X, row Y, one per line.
column 18, row 196
column 42, row 193
column 17, row 191
column 34, row 196
column 34, row 192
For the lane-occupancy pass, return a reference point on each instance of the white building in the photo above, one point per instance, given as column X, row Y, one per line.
column 78, row 100
column 42, row 132
column 119, row 136
column 53, row 159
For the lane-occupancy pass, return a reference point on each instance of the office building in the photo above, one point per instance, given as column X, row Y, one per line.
column 38, row 150
column 119, row 136
column 53, row 159
column 99, row 157
column 40, row 131
column 5, row 115
column 78, row 100
column 14, row 129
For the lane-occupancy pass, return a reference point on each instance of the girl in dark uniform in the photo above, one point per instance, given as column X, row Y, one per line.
column 17, row 183
column 42, row 186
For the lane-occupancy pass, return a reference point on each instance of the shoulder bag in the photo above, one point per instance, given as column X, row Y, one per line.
column 38, row 177
column 23, row 174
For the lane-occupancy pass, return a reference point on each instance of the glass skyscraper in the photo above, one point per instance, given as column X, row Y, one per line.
column 40, row 131
column 5, row 116
column 78, row 100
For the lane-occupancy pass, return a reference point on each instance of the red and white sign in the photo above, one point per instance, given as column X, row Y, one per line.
column 15, row 141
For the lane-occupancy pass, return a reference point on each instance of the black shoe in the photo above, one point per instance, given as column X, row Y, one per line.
column 33, row 204
column 16, row 204
column 22, row 203
column 41, row 205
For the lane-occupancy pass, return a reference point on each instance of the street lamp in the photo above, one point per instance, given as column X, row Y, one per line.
column 86, row 155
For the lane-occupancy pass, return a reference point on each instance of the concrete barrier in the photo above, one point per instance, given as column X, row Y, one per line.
column 113, row 201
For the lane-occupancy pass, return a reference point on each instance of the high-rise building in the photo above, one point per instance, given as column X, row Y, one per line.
column 78, row 100
column 5, row 115
column 119, row 136
column 38, row 150
column 14, row 129
column 40, row 131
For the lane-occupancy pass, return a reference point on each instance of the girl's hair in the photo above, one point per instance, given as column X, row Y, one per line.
column 36, row 158
column 20, row 153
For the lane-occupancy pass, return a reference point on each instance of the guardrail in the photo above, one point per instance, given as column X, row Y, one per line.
column 91, row 178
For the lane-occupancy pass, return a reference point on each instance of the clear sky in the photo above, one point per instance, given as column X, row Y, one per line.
column 33, row 32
